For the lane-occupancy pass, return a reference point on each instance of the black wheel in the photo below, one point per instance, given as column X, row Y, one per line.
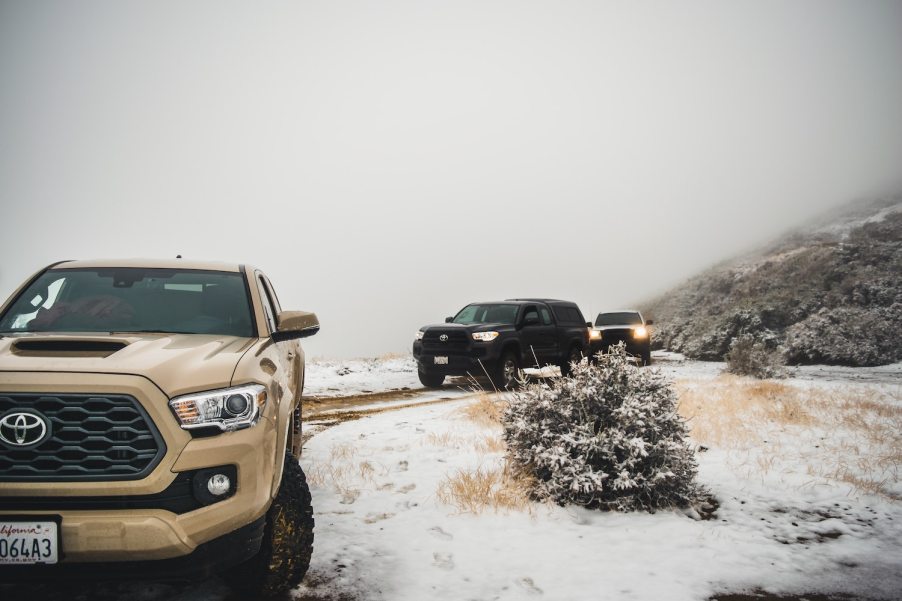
column 284, row 556
column 430, row 380
column 575, row 355
column 507, row 373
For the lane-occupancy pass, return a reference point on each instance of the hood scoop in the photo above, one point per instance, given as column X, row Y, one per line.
column 70, row 347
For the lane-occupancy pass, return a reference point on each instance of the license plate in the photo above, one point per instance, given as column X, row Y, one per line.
column 28, row 541
column 441, row 361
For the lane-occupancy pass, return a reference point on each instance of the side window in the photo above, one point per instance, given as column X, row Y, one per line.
column 268, row 308
column 546, row 316
column 530, row 312
column 272, row 295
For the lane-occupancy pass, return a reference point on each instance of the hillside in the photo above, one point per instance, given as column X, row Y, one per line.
column 829, row 293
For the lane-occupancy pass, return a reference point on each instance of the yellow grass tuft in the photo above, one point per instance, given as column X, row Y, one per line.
column 480, row 489
column 486, row 409
column 491, row 444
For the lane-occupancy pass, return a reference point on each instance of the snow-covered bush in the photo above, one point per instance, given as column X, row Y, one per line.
column 609, row 436
column 847, row 336
column 749, row 356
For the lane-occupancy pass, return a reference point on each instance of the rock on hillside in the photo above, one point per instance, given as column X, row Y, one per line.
column 830, row 293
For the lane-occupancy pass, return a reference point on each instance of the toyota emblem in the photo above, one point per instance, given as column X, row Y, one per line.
column 443, row 338
column 21, row 429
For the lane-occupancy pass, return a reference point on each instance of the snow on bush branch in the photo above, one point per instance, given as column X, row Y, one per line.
column 607, row 437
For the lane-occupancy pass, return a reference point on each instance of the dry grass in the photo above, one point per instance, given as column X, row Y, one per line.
column 847, row 434
column 481, row 489
column 486, row 410
column 445, row 439
column 485, row 488
column 345, row 473
column 491, row 444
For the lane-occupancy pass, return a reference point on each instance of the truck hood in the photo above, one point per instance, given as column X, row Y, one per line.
column 176, row 363
column 472, row 327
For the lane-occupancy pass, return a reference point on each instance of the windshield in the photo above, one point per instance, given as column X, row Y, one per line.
column 489, row 313
column 627, row 318
column 132, row 300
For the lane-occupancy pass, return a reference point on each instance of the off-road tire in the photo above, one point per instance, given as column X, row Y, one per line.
column 284, row 556
column 574, row 355
column 507, row 372
column 431, row 380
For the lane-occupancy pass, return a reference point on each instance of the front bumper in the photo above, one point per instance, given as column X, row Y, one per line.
column 206, row 560
column 147, row 532
column 475, row 359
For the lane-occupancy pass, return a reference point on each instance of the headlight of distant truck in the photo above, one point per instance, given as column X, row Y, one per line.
column 594, row 334
column 227, row 409
column 640, row 332
column 485, row 336
column 420, row 334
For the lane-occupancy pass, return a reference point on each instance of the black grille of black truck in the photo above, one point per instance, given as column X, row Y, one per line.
column 91, row 437
column 455, row 342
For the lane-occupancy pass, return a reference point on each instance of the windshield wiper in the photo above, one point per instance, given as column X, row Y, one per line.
column 149, row 332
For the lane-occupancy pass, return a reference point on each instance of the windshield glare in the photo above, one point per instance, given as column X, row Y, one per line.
column 132, row 300
column 488, row 313
column 628, row 318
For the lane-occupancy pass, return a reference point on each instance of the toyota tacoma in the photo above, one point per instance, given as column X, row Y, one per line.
column 497, row 339
column 150, row 426
column 627, row 327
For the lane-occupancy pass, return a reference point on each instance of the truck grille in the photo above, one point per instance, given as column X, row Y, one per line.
column 91, row 437
column 615, row 336
column 457, row 342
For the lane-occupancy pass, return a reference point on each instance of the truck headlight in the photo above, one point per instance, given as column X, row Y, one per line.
column 227, row 409
column 485, row 336
column 640, row 332
column 594, row 334
column 420, row 334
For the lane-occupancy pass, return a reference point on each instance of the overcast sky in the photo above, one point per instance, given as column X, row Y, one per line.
column 387, row 162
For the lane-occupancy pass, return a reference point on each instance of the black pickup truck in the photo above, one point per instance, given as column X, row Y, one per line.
column 496, row 339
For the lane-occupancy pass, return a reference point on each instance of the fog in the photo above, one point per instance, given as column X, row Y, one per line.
column 387, row 162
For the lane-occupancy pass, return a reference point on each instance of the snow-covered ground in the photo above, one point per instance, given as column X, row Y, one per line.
column 385, row 531
column 808, row 490
column 346, row 377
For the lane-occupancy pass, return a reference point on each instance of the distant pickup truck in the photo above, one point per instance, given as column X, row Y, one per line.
column 628, row 327
column 496, row 339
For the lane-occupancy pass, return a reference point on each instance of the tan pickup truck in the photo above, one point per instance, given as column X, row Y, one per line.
column 150, row 426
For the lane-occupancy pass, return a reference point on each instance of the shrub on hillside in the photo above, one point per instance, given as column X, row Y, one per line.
column 847, row 336
column 609, row 436
column 751, row 356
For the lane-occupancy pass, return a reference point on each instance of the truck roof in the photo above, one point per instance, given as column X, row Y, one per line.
column 149, row 264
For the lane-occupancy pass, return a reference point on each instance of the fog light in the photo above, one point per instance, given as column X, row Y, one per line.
column 219, row 484
column 214, row 484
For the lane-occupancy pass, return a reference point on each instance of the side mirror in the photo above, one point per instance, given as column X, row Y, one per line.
column 589, row 324
column 295, row 324
column 449, row 319
column 649, row 322
column 531, row 321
